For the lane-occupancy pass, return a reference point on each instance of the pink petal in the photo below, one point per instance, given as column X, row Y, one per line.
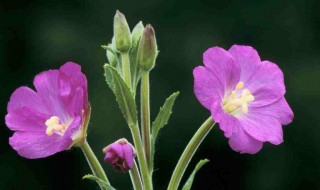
column 128, row 154
column 206, row 87
column 26, row 97
column 47, row 85
column 34, row 145
column 77, row 79
column 37, row 144
column 244, row 143
column 267, row 84
column 262, row 127
column 279, row 109
column 26, row 119
column 222, row 64
column 248, row 60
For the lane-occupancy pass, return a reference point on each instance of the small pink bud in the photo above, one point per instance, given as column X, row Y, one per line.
column 120, row 155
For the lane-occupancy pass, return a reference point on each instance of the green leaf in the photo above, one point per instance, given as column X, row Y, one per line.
column 109, row 77
column 123, row 94
column 162, row 119
column 101, row 183
column 188, row 184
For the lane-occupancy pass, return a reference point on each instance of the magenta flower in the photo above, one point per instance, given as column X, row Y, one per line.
column 120, row 155
column 50, row 119
column 245, row 96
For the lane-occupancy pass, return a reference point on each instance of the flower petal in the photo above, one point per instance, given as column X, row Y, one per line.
column 262, row 127
column 77, row 79
column 248, row 60
column 228, row 124
column 279, row 109
column 47, row 85
column 267, row 84
column 244, row 143
column 34, row 145
column 206, row 87
column 222, row 64
column 25, row 119
column 26, row 97
column 128, row 154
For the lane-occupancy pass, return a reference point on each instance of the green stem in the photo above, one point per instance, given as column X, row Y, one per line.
column 145, row 116
column 126, row 68
column 135, row 177
column 93, row 162
column 189, row 152
column 141, row 157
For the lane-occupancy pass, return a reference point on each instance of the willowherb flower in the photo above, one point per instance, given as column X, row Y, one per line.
column 120, row 155
column 245, row 96
column 50, row 119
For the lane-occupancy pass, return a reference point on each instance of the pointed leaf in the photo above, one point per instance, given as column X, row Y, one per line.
column 163, row 115
column 188, row 184
column 123, row 94
column 161, row 120
column 101, row 183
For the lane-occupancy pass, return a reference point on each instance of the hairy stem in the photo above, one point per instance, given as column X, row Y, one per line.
column 189, row 152
column 93, row 162
column 147, row 182
column 126, row 68
column 145, row 116
column 135, row 177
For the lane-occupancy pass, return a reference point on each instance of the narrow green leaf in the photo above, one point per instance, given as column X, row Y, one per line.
column 109, row 77
column 162, row 119
column 123, row 94
column 188, row 184
column 101, row 183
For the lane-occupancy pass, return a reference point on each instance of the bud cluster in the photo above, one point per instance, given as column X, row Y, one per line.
column 138, row 47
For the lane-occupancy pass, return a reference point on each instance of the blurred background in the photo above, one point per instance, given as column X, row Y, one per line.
column 38, row 35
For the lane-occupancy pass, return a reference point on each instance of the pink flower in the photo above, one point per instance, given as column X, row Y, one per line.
column 245, row 96
column 120, row 155
column 50, row 119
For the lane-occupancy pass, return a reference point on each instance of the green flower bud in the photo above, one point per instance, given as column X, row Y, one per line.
column 136, row 35
column 121, row 33
column 111, row 57
column 147, row 50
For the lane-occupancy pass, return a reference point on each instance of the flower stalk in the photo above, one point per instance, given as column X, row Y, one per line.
column 126, row 68
column 188, row 153
column 146, row 177
column 93, row 162
column 135, row 177
column 145, row 115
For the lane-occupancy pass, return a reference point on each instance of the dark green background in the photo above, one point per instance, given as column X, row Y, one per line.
column 41, row 35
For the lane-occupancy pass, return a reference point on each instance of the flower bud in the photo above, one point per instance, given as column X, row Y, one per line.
column 121, row 33
column 120, row 155
column 136, row 35
column 147, row 50
column 111, row 58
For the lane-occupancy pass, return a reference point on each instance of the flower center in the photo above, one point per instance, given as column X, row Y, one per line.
column 237, row 101
column 55, row 126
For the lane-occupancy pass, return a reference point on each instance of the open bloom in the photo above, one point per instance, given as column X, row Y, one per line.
column 120, row 155
column 50, row 119
column 245, row 96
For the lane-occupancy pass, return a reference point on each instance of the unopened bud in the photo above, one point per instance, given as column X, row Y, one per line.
column 148, row 50
column 120, row 155
column 121, row 33
column 136, row 34
column 111, row 57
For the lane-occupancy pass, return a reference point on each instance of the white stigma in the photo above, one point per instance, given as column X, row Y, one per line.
column 237, row 102
column 55, row 126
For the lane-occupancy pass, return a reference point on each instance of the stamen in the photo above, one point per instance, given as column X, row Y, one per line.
column 54, row 126
column 234, row 102
column 239, row 85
